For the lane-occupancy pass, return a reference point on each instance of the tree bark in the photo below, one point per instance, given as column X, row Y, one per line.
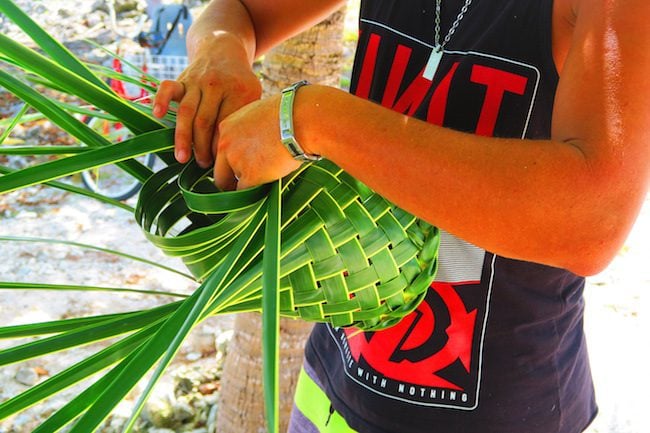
column 316, row 56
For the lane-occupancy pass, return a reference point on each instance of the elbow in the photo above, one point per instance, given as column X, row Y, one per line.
column 597, row 233
column 593, row 257
column 588, row 268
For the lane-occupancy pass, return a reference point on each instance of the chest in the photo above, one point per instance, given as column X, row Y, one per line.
column 495, row 76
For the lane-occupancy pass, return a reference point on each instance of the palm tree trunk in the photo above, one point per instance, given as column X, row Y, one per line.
column 316, row 56
column 241, row 405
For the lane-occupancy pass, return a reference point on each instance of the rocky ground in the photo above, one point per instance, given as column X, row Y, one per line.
column 187, row 395
column 185, row 400
column 617, row 302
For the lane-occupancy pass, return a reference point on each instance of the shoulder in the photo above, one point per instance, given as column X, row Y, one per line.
column 598, row 23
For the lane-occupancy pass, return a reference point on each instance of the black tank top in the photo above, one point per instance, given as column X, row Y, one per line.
column 498, row 344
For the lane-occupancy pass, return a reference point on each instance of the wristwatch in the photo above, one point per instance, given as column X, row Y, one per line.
column 286, row 124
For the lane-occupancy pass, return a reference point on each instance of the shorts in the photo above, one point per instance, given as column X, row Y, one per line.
column 312, row 410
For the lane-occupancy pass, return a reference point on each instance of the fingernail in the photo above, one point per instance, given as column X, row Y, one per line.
column 157, row 110
column 181, row 155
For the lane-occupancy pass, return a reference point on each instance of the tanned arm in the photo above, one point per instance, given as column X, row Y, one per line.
column 568, row 202
column 222, row 44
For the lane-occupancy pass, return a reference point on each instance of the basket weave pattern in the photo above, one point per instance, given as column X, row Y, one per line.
column 348, row 256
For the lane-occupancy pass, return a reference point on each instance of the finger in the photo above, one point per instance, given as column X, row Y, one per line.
column 243, row 184
column 224, row 177
column 227, row 107
column 168, row 91
column 184, row 125
column 215, row 145
column 205, row 128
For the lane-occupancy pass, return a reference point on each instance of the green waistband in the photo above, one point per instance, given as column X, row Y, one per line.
column 317, row 408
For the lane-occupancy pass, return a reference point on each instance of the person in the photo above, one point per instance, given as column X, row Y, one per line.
column 516, row 126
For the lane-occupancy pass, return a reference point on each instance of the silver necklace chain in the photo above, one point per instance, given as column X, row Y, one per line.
column 463, row 10
column 436, row 53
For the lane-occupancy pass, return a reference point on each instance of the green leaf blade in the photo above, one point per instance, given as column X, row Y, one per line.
column 271, row 310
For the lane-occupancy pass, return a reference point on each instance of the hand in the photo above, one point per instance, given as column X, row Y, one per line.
column 249, row 150
column 217, row 82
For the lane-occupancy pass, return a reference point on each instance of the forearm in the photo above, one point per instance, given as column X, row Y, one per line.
column 223, row 20
column 257, row 24
column 540, row 201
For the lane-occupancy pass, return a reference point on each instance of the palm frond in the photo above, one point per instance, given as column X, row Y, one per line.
column 317, row 245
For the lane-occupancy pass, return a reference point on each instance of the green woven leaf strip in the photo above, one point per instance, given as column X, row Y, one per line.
column 128, row 149
column 76, row 373
column 347, row 256
column 78, row 190
column 85, row 399
column 96, row 94
column 52, row 111
column 89, row 333
column 50, row 45
column 14, row 122
column 271, row 309
column 10, row 285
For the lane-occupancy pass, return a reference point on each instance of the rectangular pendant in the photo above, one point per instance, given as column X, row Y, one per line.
column 432, row 64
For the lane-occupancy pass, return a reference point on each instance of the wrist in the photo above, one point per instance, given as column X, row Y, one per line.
column 287, row 126
column 310, row 119
column 220, row 43
column 224, row 27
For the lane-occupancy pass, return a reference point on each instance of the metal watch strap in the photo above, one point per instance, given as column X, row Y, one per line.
column 286, row 124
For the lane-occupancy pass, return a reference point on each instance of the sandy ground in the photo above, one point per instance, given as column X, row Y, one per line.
column 45, row 213
column 618, row 332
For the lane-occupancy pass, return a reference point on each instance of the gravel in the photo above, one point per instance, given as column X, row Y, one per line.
column 191, row 383
column 188, row 391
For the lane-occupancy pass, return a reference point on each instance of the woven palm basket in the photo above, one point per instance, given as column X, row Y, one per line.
column 347, row 255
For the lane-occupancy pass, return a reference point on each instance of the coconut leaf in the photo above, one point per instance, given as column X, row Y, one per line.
column 317, row 245
column 50, row 45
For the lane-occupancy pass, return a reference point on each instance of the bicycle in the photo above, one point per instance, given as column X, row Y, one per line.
column 164, row 58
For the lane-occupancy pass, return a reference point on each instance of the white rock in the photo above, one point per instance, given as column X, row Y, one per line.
column 193, row 356
column 182, row 411
column 27, row 376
